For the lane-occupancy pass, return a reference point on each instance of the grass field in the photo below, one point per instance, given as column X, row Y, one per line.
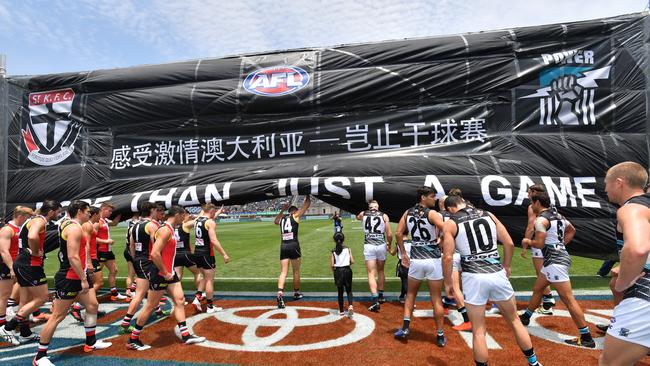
column 254, row 265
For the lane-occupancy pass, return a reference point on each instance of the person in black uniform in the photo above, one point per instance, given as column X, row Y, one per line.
column 72, row 282
column 628, row 336
column 205, row 243
column 290, row 247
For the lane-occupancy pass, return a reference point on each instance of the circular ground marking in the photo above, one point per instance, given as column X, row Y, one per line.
column 251, row 342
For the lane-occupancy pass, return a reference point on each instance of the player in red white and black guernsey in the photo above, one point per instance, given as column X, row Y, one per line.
column 290, row 248
column 475, row 233
column 90, row 235
column 105, row 249
column 205, row 243
column 163, row 278
column 29, row 271
column 130, row 277
column 628, row 336
column 140, row 243
column 185, row 257
column 8, row 253
column 72, row 282
column 552, row 233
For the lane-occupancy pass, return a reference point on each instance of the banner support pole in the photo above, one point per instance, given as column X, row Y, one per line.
column 4, row 132
column 646, row 31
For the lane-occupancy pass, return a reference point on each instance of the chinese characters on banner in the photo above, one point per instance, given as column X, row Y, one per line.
column 358, row 137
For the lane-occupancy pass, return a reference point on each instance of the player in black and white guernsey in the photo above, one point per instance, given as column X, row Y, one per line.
column 628, row 336
column 552, row 233
column 185, row 258
column 422, row 224
column 537, row 257
column 205, row 243
column 475, row 233
column 290, row 248
column 377, row 240
column 458, row 298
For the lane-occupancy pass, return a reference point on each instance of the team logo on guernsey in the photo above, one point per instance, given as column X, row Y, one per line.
column 567, row 89
column 50, row 133
column 276, row 81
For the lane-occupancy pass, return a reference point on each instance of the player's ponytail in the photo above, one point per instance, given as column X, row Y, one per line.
column 339, row 238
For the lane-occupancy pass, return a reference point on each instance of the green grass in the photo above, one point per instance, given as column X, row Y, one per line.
column 254, row 250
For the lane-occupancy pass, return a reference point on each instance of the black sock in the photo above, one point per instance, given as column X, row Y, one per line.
column 42, row 350
column 406, row 324
column 463, row 312
column 586, row 337
column 13, row 323
column 209, row 301
column 381, row 293
column 481, row 363
column 24, row 328
column 546, row 304
column 530, row 356
column 296, row 290
column 11, row 302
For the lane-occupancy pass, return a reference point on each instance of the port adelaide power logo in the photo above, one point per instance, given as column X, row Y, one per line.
column 571, row 89
column 49, row 133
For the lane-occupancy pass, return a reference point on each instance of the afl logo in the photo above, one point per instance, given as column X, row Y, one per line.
column 276, row 81
column 50, row 133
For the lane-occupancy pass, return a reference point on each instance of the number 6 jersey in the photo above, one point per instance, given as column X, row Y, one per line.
column 476, row 241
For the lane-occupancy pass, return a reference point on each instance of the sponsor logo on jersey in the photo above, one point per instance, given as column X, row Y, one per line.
column 50, row 133
column 276, row 81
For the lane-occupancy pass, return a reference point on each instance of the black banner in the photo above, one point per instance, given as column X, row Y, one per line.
column 491, row 113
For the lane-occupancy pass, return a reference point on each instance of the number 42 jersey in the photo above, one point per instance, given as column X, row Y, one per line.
column 476, row 241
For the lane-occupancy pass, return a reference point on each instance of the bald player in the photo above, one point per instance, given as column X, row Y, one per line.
column 378, row 239
column 628, row 336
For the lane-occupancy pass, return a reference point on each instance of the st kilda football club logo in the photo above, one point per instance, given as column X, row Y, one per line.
column 50, row 133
